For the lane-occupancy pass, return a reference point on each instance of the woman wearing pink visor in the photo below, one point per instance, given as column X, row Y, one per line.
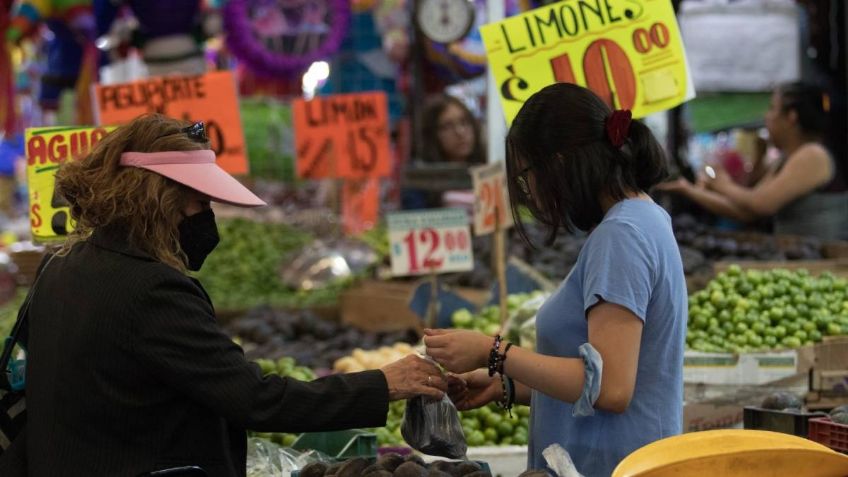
column 128, row 371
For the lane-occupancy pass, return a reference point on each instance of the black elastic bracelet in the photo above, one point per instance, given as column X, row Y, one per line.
column 511, row 393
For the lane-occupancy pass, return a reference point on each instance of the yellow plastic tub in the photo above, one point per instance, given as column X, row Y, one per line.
column 734, row 453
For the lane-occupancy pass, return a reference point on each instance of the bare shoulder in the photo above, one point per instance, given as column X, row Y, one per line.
column 812, row 152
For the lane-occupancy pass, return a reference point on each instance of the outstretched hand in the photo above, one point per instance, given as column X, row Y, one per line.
column 459, row 351
column 473, row 390
column 414, row 376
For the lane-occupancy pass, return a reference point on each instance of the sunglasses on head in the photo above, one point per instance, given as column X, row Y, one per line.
column 196, row 132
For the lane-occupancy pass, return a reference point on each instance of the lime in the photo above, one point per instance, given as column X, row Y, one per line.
column 815, row 335
column 471, row 424
column 505, row 429
column 801, row 335
column 493, row 419
column 779, row 331
column 476, row 439
column 520, row 438
column 770, row 341
column 834, row 329
column 791, row 342
column 491, row 434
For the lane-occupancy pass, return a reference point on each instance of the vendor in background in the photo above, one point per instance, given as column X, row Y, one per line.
column 450, row 134
column 607, row 375
column 804, row 193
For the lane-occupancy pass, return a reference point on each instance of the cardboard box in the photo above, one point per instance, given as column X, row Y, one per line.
column 708, row 407
column 830, row 383
column 749, row 368
column 832, row 353
column 374, row 305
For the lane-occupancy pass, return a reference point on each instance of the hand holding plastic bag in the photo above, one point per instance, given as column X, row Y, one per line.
column 433, row 427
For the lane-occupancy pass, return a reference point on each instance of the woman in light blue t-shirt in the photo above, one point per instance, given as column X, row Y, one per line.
column 607, row 375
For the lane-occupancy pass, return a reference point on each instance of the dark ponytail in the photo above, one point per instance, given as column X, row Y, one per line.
column 647, row 157
column 560, row 133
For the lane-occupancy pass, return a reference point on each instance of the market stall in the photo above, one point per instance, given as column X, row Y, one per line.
column 321, row 108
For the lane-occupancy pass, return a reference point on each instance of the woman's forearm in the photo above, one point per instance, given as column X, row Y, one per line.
column 560, row 378
column 523, row 394
column 718, row 204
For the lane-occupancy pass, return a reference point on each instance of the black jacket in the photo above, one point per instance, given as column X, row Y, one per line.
column 129, row 372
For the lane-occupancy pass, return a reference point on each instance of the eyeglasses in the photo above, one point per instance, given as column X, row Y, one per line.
column 523, row 182
column 460, row 125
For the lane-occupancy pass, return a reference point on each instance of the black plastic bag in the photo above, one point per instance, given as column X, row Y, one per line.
column 433, row 427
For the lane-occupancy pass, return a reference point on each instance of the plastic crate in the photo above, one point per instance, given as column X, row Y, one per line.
column 794, row 423
column 829, row 433
column 339, row 444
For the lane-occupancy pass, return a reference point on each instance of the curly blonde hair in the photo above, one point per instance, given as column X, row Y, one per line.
column 146, row 205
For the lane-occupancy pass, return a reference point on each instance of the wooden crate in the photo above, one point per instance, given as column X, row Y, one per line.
column 374, row 305
column 838, row 267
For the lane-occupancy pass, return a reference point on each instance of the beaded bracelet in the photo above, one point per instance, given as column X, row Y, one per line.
column 494, row 357
column 502, row 358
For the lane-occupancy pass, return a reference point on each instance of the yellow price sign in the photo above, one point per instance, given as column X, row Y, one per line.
column 46, row 150
column 629, row 52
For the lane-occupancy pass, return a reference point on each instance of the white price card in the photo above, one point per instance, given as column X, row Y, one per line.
column 430, row 241
column 491, row 198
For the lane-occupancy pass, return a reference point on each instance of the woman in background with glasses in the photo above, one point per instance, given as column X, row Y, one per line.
column 450, row 134
column 607, row 375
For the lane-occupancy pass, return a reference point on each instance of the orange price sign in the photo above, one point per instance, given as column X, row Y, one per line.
column 491, row 205
column 629, row 52
column 211, row 98
column 344, row 135
column 360, row 205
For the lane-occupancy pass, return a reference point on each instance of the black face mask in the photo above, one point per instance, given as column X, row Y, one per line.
column 198, row 237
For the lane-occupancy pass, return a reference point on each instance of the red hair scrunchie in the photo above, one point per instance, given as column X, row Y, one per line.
column 618, row 126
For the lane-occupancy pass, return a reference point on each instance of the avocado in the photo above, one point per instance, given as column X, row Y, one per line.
column 353, row 467
column 782, row 400
column 468, row 467
column 839, row 415
column 315, row 469
column 410, row 469
column 378, row 473
column 390, row 462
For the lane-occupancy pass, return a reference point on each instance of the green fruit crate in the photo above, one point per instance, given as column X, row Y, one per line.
column 339, row 444
column 829, row 433
column 793, row 423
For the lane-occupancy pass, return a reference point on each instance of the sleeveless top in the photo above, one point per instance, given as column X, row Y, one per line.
column 822, row 213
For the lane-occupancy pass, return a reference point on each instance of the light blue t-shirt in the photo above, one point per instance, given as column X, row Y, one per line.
column 630, row 259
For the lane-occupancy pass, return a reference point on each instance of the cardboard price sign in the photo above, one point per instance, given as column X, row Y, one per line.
column 491, row 205
column 345, row 135
column 360, row 205
column 211, row 98
column 429, row 242
column 629, row 52
column 46, row 149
